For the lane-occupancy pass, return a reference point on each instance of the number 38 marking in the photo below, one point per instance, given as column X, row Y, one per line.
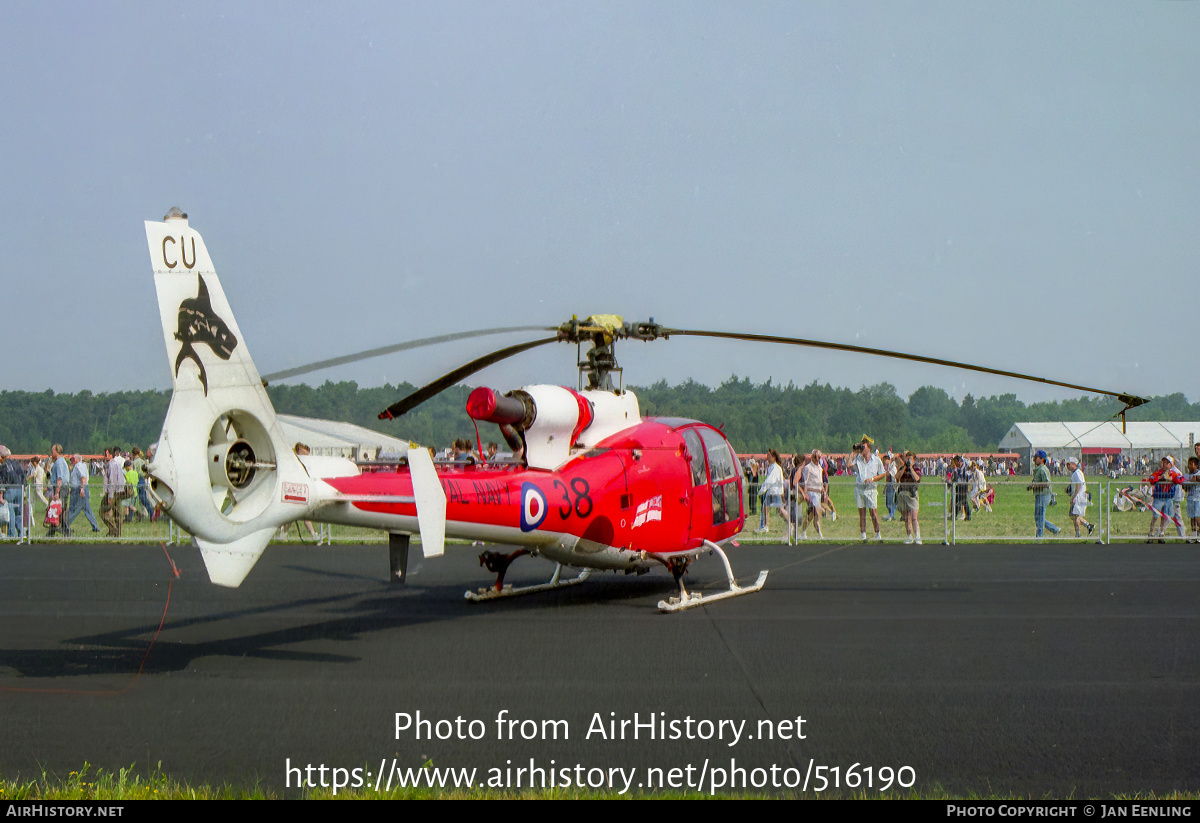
column 582, row 506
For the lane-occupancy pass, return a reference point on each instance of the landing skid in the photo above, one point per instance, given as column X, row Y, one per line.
column 689, row 600
column 492, row 593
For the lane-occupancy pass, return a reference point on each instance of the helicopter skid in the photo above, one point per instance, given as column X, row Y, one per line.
column 689, row 600
column 491, row 593
column 693, row 599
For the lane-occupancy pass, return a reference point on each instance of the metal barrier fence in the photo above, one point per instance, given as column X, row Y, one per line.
column 1129, row 514
column 81, row 516
column 133, row 519
column 1119, row 512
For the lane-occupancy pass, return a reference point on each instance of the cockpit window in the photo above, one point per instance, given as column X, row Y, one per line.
column 733, row 501
column 723, row 474
column 720, row 464
column 695, row 455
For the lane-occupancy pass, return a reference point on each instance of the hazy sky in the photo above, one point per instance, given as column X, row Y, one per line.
column 1010, row 184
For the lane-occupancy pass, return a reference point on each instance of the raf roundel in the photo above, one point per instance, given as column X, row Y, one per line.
column 533, row 507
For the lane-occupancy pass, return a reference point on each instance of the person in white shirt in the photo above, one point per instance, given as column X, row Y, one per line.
column 979, row 487
column 37, row 475
column 773, row 487
column 1079, row 500
column 868, row 470
column 812, row 479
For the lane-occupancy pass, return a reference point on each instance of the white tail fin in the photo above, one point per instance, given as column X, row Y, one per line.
column 222, row 459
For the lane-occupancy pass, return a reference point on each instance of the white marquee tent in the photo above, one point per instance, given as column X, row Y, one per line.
column 1153, row 440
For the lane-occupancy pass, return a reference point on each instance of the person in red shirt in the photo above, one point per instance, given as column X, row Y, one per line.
column 1164, row 480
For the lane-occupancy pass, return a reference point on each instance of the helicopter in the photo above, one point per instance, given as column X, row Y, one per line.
column 593, row 485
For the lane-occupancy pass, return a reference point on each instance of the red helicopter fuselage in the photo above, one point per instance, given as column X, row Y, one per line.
column 653, row 491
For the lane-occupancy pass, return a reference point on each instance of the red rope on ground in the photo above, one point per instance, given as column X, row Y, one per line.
column 141, row 666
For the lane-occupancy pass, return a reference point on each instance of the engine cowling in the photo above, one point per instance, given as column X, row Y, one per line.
column 554, row 420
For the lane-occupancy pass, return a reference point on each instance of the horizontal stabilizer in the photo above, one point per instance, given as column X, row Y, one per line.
column 431, row 502
column 229, row 563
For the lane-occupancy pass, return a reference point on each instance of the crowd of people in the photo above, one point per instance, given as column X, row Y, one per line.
column 64, row 483
column 935, row 465
column 804, row 481
column 1165, row 494
column 797, row 487
column 1107, row 465
column 900, row 474
column 1172, row 488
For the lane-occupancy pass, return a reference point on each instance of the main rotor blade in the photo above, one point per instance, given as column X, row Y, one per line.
column 1129, row 400
column 382, row 350
column 462, row 372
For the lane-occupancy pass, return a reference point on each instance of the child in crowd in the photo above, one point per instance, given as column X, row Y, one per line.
column 131, row 488
column 53, row 514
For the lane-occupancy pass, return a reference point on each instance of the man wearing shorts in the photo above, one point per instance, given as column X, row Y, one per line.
column 1163, row 509
column 868, row 470
column 1079, row 498
column 908, row 480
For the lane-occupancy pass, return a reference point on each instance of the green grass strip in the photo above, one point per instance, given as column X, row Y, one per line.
column 90, row 783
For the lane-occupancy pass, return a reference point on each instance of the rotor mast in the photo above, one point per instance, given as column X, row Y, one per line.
column 597, row 364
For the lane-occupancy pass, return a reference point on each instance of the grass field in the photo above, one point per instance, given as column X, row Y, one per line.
column 1010, row 520
column 128, row 784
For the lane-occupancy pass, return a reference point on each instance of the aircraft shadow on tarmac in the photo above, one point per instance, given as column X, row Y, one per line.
column 210, row 628
column 380, row 608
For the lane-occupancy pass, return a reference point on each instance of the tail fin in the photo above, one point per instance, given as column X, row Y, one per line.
column 222, row 459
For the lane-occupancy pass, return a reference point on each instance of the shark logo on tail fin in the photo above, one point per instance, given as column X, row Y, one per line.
column 198, row 323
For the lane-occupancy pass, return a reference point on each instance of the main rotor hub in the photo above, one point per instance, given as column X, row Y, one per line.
column 601, row 331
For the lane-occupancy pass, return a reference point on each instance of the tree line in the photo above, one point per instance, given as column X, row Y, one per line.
column 754, row 417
